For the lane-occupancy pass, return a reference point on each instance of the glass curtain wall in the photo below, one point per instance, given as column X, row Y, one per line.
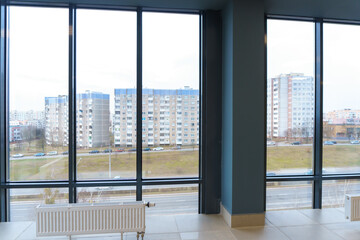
column 294, row 150
column 99, row 58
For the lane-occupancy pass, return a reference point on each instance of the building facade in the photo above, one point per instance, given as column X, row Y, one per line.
column 93, row 120
column 169, row 117
column 290, row 102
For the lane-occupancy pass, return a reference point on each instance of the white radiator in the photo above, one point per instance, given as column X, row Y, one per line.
column 98, row 218
column 352, row 207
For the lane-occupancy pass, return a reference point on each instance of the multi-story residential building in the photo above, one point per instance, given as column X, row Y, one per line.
column 169, row 117
column 93, row 119
column 343, row 116
column 15, row 131
column 28, row 118
column 290, row 106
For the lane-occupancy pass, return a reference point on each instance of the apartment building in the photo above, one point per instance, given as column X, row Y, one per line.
column 169, row 117
column 28, row 118
column 343, row 116
column 56, row 120
column 15, row 131
column 93, row 120
column 290, row 106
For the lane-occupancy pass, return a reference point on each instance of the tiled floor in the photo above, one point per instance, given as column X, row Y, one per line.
column 326, row 224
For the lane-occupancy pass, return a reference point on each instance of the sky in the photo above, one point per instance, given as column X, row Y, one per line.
column 106, row 53
column 291, row 48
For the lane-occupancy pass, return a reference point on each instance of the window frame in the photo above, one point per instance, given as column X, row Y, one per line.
column 318, row 176
column 72, row 183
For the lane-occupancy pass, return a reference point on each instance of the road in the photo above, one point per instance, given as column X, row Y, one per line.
column 282, row 144
column 165, row 204
column 288, row 195
column 99, row 154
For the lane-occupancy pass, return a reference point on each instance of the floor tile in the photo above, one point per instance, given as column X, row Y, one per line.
column 161, row 224
column 324, row 216
column 211, row 235
column 156, row 236
column 200, row 223
column 259, row 233
column 316, row 231
column 348, row 234
column 11, row 230
column 288, row 218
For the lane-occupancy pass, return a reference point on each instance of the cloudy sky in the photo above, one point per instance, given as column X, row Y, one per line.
column 291, row 49
column 106, row 53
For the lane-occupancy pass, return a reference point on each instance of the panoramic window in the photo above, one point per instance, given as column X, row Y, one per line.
column 106, row 94
column 170, row 105
column 290, row 97
column 341, row 100
column 49, row 50
column 38, row 93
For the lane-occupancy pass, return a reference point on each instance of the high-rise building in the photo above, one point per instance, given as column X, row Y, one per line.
column 169, row 117
column 290, row 102
column 93, row 119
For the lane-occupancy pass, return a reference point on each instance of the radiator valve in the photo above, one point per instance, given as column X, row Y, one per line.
column 148, row 204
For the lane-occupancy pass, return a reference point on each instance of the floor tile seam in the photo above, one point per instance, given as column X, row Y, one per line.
column 317, row 222
column 24, row 230
column 297, row 225
column 334, row 233
column 288, row 237
column 310, row 225
column 177, row 226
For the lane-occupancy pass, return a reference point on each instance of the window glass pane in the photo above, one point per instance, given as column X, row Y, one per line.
column 24, row 200
column 172, row 199
column 38, row 88
column 341, row 121
column 288, row 195
column 333, row 194
column 106, row 194
column 290, row 97
column 170, row 107
column 106, row 94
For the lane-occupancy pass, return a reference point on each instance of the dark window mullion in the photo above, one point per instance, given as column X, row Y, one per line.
column 317, row 189
column 4, row 203
column 139, row 107
column 72, row 104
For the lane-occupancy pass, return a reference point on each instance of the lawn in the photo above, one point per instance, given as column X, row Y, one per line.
column 291, row 157
column 155, row 165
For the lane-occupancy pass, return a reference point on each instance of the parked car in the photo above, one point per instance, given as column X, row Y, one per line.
column 65, row 153
column 52, row 153
column 158, row 149
column 270, row 174
column 94, row 151
column 146, row 149
column 328, row 143
column 120, row 150
column 355, row 142
column 334, row 142
column 296, row 143
column 176, row 148
column 117, row 177
column 270, row 143
column 19, row 155
column 107, row 150
column 132, row 150
column 39, row 154
column 311, row 172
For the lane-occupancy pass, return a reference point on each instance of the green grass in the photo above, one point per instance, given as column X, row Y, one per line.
column 155, row 164
column 291, row 157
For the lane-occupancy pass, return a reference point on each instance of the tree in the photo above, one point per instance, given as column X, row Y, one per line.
column 28, row 133
column 50, row 195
